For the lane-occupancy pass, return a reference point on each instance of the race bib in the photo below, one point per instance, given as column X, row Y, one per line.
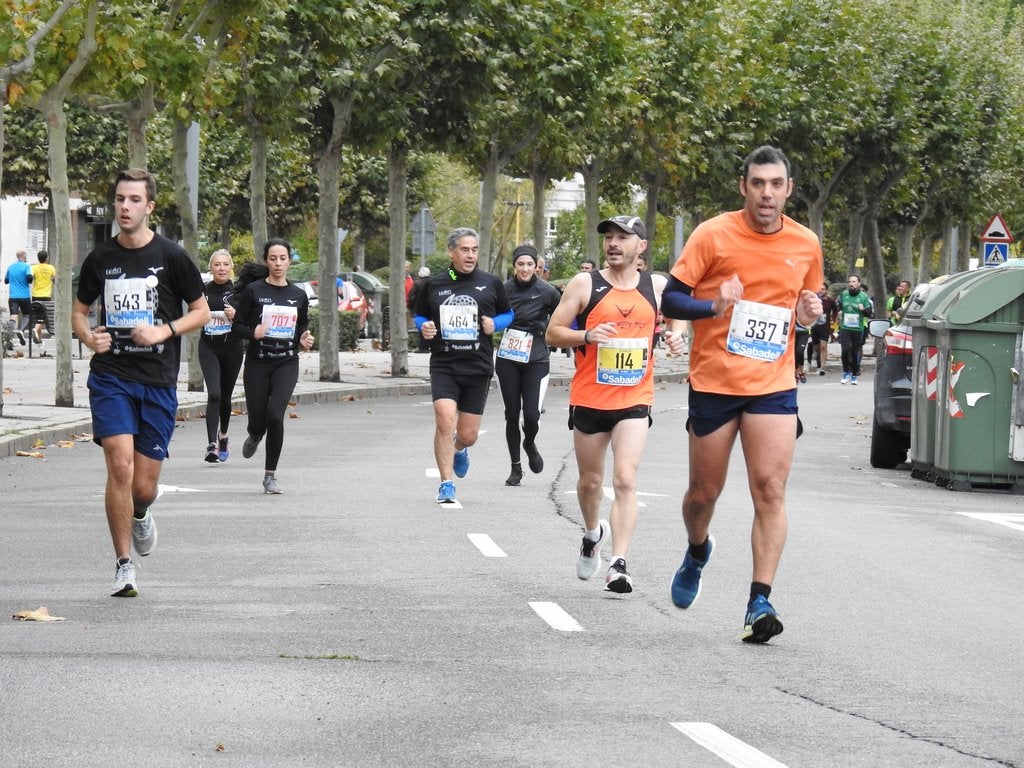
column 130, row 302
column 622, row 362
column 515, row 346
column 851, row 320
column 459, row 319
column 759, row 331
column 280, row 321
column 219, row 325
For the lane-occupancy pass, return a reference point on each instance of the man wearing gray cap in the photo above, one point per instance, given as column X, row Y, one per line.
column 612, row 391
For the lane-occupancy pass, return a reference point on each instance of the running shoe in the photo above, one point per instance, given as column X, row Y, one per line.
column 853, row 380
column 761, row 623
column 222, row 449
column 821, row 371
column 125, row 584
column 536, row 460
column 803, row 378
column 589, row 561
column 446, row 493
column 516, row 475
column 211, row 453
column 270, row 485
column 21, row 337
column 687, row 581
column 36, row 337
column 249, row 446
column 617, row 580
column 845, row 379
column 144, row 534
column 461, row 462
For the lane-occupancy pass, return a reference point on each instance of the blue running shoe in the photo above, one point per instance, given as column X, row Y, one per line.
column 222, row 449
column 446, row 493
column 461, row 462
column 762, row 623
column 686, row 582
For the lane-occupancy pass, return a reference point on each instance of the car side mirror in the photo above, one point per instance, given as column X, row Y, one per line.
column 878, row 328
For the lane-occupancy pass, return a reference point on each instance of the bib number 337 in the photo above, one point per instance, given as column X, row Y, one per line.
column 759, row 331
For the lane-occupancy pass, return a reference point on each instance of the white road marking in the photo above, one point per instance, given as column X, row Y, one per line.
column 486, row 545
column 558, row 619
column 609, row 493
column 450, row 504
column 162, row 489
column 433, row 472
column 735, row 752
column 1013, row 520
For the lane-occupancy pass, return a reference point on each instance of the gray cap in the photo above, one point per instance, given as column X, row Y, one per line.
column 633, row 225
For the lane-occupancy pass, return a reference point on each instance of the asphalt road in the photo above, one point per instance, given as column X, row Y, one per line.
column 353, row 621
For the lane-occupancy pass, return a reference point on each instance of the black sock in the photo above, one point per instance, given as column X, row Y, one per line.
column 699, row 551
column 757, row 588
column 123, row 560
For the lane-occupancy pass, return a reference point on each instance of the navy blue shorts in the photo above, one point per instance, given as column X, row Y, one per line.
column 468, row 392
column 591, row 421
column 122, row 407
column 710, row 411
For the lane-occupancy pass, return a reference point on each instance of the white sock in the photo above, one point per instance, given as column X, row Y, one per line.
column 593, row 534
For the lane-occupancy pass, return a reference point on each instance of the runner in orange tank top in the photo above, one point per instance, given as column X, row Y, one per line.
column 610, row 398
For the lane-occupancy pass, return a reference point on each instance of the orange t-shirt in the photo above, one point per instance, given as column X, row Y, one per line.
column 619, row 373
column 773, row 270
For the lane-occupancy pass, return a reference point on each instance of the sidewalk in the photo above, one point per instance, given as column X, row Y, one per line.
column 30, row 418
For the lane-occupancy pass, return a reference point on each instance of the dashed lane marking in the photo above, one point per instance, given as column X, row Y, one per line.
column 557, row 618
column 1013, row 520
column 735, row 752
column 486, row 545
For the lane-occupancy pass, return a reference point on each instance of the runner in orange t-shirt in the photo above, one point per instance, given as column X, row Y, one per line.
column 744, row 276
column 610, row 398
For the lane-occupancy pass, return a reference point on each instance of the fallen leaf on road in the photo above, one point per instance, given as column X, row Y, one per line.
column 41, row 613
column 349, row 397
column 31, row 454
column 85, row 437
column 39, row 443
column 292, row 415
column 65, row 443
column 219, row 748
column 8, row 391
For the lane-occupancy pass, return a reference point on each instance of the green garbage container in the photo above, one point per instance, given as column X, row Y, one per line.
column 928, row 361
column 376, row 295
column 978, row 322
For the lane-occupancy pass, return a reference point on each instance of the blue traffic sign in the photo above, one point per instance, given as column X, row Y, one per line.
column 994, row 254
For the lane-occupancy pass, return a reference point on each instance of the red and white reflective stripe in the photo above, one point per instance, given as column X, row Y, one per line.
column 931, row 373
column 955, row 411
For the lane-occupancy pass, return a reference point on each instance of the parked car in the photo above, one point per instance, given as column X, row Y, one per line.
column 350, row 298
column 894, row 386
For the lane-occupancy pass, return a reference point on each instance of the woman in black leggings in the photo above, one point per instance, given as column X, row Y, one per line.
column 220, row 356
column 273, row 315
column 523, row 358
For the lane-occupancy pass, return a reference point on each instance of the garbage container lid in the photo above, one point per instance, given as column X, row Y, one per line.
column 991, row 291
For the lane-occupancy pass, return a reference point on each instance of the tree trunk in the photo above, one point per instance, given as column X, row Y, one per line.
column 539, row 180
column 926, row 250
column 965, row 247
column 591, row 172
column 905, row 250
column 875, row 267
column 488, row 194
column 359, row 253
column 947, row 257
column 258, row 185
column 189, row 235
column 398, row 322
column 137, row 117
column 651, row 218
column 855, row 239
column 61, row 256
column 328, row 168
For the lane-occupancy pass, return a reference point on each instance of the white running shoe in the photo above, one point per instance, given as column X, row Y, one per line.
column 589, row 562
column 125, row 584
column 144, row 534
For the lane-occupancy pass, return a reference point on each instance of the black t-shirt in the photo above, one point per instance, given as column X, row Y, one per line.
column 219, row 327
column 283, row 309
column 456, row 302
column 139, row 286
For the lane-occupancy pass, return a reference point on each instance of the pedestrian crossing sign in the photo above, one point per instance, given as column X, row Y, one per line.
column 995, row 254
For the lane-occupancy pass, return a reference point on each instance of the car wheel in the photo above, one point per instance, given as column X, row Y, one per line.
column 888, row 447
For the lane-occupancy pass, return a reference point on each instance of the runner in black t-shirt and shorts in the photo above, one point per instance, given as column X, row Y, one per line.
column 141, row 280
